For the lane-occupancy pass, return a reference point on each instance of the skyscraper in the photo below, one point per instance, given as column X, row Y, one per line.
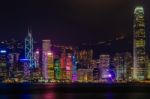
column 50, row 68
column 104, row 66
column 139, row 44
column 29, row 49
column 46, row 44
column 37, row 58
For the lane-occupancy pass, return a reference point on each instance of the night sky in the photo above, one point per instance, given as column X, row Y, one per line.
column 69, row 21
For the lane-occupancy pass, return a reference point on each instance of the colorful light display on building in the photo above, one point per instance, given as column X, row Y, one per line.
column 69, row 67
column 57, row 69
column 74, row 68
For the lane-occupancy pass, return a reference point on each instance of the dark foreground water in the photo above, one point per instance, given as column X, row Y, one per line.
column 75, row 91
column 53, row 95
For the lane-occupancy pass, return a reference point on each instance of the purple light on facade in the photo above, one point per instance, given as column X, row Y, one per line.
column 74, row 69
column 109, row 75
column 37, row 52
column 26, row 68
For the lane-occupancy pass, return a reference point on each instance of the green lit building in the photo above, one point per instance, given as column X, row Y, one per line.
column 57, row 69
column 139, row 54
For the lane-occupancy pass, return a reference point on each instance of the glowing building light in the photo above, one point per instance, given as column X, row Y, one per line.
column 3, row 51
column 37, row 52
column 68, row 68
column 49, row 53
column 109, row 75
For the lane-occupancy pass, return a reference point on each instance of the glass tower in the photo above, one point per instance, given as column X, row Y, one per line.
column 139, row 44
column 29, row 50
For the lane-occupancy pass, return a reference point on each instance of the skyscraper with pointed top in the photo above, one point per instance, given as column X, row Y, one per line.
column 29, row 49
column 139, row 53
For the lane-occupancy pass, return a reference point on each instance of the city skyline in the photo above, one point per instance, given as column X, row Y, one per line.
column 48, row 22
column 68, row 49
column 69, row 64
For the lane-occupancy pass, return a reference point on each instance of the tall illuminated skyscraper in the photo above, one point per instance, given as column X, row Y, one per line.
column 50, row 68
column 46, row 45
column 69, row 67
column 139, row 44
column 29, row 49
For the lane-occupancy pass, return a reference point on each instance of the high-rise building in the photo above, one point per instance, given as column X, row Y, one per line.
column 74, row 68
column 3, row 64
column 37, row 58
column 29, row 50
column 119, row 66
column 46, row 45
column 128, row 63
column 63, row 66
column 57, row 69
column 104, row 66
column 148, row 68
column 50, row 68
column 13, row 59
column 96, row 74
column 69, row 67
column 26, row 72
column 139, row 44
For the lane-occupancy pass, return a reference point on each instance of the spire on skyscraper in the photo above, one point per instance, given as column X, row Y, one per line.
column 29, row 49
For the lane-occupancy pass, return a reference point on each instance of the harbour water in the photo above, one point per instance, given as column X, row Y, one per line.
column 74, row 91
column 90, row 95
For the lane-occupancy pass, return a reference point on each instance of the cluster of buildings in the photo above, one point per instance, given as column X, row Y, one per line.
column 21, row 62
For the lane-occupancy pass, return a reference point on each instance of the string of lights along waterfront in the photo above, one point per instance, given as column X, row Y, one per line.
column 50, row 63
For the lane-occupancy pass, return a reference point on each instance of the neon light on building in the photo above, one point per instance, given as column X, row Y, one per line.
column 3, row 51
